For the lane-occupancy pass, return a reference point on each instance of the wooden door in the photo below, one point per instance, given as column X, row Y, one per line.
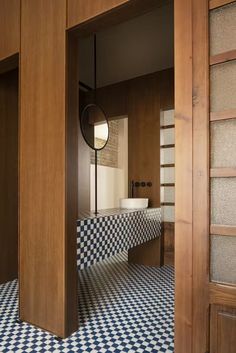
column 222, row 30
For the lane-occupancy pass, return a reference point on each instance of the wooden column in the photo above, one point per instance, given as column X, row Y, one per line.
column 48, row 182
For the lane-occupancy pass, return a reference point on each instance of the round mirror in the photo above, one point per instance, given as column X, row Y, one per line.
column 94, row 127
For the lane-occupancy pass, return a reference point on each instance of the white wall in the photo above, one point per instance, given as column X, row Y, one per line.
column 112, row 182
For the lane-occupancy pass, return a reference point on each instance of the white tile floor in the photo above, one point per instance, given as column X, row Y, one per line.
column 122, row 309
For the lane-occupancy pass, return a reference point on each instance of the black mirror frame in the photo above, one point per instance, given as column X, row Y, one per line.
column 81, row 127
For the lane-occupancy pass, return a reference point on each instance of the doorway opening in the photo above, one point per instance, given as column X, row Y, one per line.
column 9, row 82
column 133, row 62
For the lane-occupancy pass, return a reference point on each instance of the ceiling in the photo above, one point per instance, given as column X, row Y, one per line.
column 142, row 45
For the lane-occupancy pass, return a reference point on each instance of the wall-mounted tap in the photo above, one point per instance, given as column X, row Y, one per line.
column 137, row 184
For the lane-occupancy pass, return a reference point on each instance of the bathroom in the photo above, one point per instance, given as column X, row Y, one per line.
column 117, row 178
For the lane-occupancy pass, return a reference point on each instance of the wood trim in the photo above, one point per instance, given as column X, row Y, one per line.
column 183, row 14
column 168, row 146
column 167, row 204
column 217, row 229
column 224, row 115
column 220, row 294
column 164, row 127
column 200, row 175
column 223, row 172
column 223, row 57
column 168, row 165
column 168, row 184
column 213, row 4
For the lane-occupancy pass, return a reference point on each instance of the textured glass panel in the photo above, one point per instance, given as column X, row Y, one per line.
column 167, row 155
column 168, row 117
column 167, row 175
column 223, row 86
column 167, row 194
column 223, row 142
column 223, row 29
column 223, row 201
column 223, row 259
column 167, row 136
column 168, row 213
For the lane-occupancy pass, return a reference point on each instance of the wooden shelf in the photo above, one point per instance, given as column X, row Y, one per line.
column 167, row 146
column 164, row 127
column 224, row 115
column 167, row 204
column 167, row 165
column 223, row 172
column 213, row 4
column 168, row 184
column 223, row 57
column 217, row 229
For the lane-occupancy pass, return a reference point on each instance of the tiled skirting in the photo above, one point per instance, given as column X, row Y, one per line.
column 108, row 234
column 122, row 309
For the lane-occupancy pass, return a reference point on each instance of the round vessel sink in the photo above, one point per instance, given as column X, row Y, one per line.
column 131, row 203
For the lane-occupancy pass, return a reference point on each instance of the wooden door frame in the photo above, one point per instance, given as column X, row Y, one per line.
column 192, row 176
column 192, row 169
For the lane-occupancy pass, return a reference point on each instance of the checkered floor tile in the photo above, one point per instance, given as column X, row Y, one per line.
column 123, row 309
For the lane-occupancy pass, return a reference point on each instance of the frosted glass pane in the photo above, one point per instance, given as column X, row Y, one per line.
column 167, row 194
column 167, row 155
column 223, row 86
column 223, row 142
column 168, row 213
column 223, row 259
column 168, row 117
column 223, row 201
column 167, row 175
column 167, row 136
column 223, row 29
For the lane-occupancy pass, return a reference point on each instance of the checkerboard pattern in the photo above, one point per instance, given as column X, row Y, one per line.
column 122, row 309
column 106, row 235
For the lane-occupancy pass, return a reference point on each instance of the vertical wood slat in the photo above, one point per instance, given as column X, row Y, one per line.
column 200, row 176
column 48, row 298
column 183, row 164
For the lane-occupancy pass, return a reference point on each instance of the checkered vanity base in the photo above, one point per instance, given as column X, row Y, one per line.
column 113, row 231
column 122, row 309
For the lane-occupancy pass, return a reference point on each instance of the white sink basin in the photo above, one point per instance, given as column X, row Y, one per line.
column 133, row 203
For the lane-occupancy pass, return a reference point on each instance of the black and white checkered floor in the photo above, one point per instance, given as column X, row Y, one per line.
column 123, row 309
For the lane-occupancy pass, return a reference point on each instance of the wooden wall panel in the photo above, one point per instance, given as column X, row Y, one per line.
column 81, row 11
column 144, row 127
column 8, row 176
column 184, row 186
column 48, row 276
column 110, row 11
column 9, row 28
column 223, row 329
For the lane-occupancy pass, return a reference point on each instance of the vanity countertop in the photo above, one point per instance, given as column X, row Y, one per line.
column 111, row 212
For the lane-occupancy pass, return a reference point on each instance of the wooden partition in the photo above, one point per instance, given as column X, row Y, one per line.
column 9, row 175
column 48, row 173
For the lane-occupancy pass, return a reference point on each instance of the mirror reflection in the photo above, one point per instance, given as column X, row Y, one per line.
column 94, row 126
